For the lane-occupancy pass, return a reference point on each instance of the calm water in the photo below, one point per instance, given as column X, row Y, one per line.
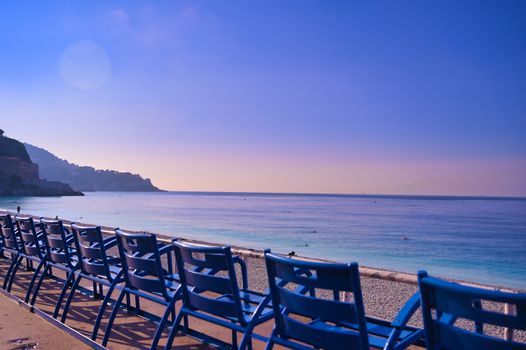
column 481, row 240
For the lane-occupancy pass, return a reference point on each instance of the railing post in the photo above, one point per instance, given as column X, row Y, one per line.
column 509, row 309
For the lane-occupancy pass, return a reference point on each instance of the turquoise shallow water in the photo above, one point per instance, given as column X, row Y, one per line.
column 482, row 240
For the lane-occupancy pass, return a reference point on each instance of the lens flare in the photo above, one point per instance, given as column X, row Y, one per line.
column 85, row 65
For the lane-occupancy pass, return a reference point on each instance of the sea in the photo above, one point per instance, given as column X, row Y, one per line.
column 478, row 239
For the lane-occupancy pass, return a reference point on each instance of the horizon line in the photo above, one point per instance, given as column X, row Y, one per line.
column 362, row 195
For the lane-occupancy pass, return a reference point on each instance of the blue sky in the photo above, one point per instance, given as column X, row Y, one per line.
column 288, row 96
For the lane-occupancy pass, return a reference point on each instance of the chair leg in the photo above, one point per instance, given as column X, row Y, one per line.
column 270, row 343
column 137, row 305
column 63, row 293
column 70, row 297
column 247, row 338
column 234, row 339
column 112, row 318
column 185, row 323
column 13, row 274
column 103, row 308
column 14, row 259
column 95, row 294
column 173, row 331
column 128, row 301
column 33, row 279
column 173, row 315
column 39, row 284
column 162, row 323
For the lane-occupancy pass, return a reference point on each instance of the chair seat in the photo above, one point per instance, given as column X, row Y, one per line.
column 379, row 328
column 42, row 246
column 115, row 269
column 249, row 302
column 172, row 285
column 252, row 296
column 172, row 277
column 376, row 332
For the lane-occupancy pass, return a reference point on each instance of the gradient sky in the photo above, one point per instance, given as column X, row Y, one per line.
column 405, row 97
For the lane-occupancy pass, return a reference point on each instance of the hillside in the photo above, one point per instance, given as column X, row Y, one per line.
column 86, row 178
column 19, row 176
column 12, row 148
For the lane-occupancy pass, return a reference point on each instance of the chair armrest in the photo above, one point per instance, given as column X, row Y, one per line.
column 400, row 323
column 109, row 242
column 407, row 311
column 113, row 260
column 261, row 307
column 244, row 274
column 69, row 239
column 166, row 249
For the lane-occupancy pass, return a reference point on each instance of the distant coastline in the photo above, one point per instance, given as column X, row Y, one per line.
column 86, row 178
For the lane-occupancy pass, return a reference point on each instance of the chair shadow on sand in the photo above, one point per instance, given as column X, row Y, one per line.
column 128, row 328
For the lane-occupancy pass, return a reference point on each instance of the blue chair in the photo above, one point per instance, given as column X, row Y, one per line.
column 59, row 254
column 2, row 255
column 445, row 302
column 217, row 298
column 96, row 265
column 10, row 243
column 32, row 248
column 304, row 320
column 144, row 277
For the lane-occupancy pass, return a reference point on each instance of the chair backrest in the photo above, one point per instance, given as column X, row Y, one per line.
column 9, row 233
column 444, row 303
column 91, row 251
column 293, row 286
column 141, row 261
column 56, row 236
column 29, row 236
column 206, row 273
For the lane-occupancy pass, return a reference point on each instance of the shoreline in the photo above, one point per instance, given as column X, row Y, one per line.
column 365, row 270
column 384, row 291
